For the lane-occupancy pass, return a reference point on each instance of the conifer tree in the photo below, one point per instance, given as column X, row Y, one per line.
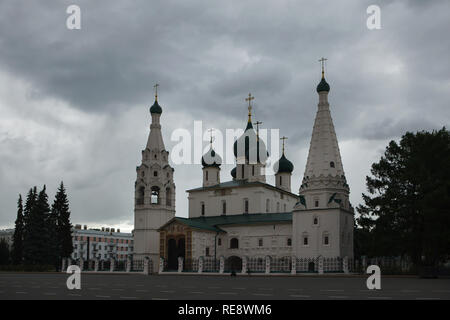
column 17, row 249
column 28, row 234
column 60, row 210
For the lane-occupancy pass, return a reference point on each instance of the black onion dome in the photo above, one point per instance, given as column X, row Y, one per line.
column 233, row 172
column 283, row 165
column 156, row 108
column 211, row 159
column 323, row 86
column 250, row 141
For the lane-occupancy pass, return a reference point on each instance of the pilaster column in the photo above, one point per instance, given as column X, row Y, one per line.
column 128, row 267
column 293, row 265
column 244, row 265
column 200, row 265
column 267, row 264
column 345, row 264
column 161, row 265
column 222, row 264
column 320, row 267
column 180, row 264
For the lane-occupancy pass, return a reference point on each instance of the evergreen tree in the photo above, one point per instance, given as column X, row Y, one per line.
column 4, row 252
column 28, row 234
column 407, row 211
column 17, row 250
column 60, row 210
column 38, row 238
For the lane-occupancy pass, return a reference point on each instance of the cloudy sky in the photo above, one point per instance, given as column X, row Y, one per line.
column 74, row 103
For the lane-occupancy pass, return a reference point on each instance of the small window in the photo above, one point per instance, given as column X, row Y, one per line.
column 284, row 207
column 326, row 240
column 289, row 242
column 155, row 173
column 316, row 203
column 267, row 205
column 206, row 175
column 260, row 242
column 155, row 195
column 281, row 180
column 253, row 170
column 332, row 164
column 234, row 243
column 219, row 242
column 305, row 240
column 207, row 251
column 224, row 207
column 245, row 205
column 203, row 208
column 278, row 207
column 315, row 221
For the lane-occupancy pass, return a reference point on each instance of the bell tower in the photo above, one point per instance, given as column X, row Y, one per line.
column 322, row 220
column 154, row 203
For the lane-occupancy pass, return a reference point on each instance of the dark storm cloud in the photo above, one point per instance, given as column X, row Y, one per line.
column 207, row 56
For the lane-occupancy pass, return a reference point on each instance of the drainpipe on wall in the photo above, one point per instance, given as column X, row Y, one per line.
column 215, row 249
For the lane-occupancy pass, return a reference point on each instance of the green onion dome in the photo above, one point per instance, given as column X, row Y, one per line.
column 233, row 172
column 211, row 159
column 252, row 146
column 323, row 86
column 283, row 165
column 155, row 108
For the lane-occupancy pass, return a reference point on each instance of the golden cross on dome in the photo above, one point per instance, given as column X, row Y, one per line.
column 322, row 60
column 283, row 138
column 249, row 99
column 156, row 90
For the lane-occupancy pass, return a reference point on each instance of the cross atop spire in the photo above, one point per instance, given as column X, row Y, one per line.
column 283, row 138
column 322, row 60
column 211, row 135
column 156, row 90
column 257, row 123
column 249, row 99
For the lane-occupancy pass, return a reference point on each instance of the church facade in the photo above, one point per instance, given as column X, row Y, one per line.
column 245, row 218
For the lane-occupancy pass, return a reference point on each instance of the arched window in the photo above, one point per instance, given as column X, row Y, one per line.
column 140, row 196
column 326, row 239
column 234, row 243
column 168, row 197
column 155, row 195
column 289, row 242
column 305, row 239
column 331, row 164
column 315, row 221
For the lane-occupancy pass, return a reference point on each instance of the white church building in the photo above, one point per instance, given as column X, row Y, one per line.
column 244, row 223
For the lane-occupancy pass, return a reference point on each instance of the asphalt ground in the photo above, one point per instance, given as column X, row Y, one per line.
column 52, row 286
